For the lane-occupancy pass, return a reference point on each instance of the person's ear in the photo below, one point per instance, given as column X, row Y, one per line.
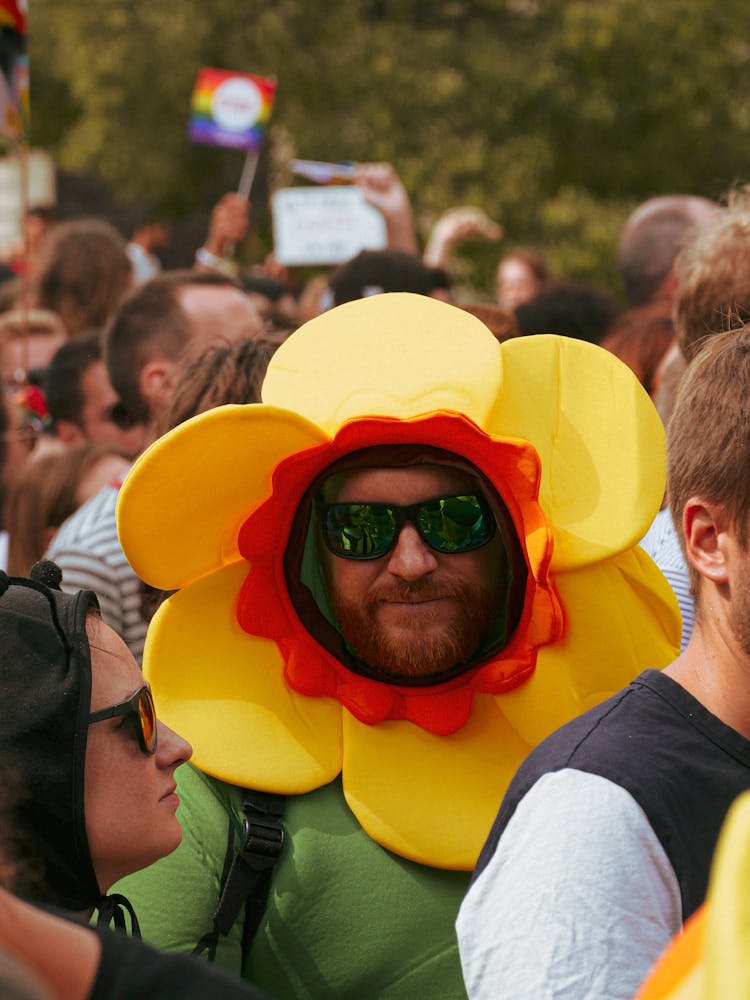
column 156, row 382
column 705, row 527
column 69, row 433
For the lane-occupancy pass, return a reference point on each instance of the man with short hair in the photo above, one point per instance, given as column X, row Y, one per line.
column 650, row 241
column 167, row 321
column 82, row 404
column 158, row 328
column 389, row 580
column 603, row 843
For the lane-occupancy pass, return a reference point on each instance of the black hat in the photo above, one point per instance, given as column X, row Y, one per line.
column 45, row 701
column 375, row 271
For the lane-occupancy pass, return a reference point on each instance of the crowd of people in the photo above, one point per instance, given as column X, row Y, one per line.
column 459, row 667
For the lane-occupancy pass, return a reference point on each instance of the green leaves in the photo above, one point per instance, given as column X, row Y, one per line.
column 555, row 117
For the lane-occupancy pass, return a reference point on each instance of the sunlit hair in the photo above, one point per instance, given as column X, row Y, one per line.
column 222, row 374
column 708, row 439
column 501, row 323
column 713, row 276
column 43, row 496
column 83, row 273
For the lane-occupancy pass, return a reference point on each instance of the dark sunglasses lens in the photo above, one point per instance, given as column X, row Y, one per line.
column 120, row 417
column 456, row 524
column 360, row 530
column 147, row 717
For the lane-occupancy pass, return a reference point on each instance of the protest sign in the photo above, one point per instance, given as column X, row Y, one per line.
column 328, row 225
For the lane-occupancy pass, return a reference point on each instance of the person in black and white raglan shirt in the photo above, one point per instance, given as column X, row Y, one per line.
column 602, row 846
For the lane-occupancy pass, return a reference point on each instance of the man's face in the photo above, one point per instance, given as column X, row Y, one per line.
column 96, row 416
column 414, row 611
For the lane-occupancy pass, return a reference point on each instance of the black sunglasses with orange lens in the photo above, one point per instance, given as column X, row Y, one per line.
column 141, row 706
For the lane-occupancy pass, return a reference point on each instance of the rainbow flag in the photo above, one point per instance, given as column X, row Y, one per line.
column 231, row 109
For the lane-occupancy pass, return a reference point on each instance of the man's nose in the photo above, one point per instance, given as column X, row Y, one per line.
column 411, row 558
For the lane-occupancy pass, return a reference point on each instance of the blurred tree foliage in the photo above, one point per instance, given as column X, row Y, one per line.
column 555, row 117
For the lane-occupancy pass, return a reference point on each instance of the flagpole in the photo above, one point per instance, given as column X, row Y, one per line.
column 248, row 174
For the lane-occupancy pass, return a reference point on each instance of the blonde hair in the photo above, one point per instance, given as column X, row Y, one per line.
column 713, row 276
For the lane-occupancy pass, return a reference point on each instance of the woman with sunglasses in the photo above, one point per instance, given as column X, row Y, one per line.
column 79, row 730
column 46, row 957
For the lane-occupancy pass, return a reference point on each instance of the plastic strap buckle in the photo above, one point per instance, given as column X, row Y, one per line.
column 262, row 841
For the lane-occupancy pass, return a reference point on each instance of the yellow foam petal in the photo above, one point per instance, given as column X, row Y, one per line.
column 727, row 945
column 428, row 798
column 678, row 975
column 396, row 355
column 224, row 691
column 710, row 960
column 621, row 617
column 183, row 502
column 598, row 435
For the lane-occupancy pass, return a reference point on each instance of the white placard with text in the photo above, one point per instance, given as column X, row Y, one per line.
column 324, row 225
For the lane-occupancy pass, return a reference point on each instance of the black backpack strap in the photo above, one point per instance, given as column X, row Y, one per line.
column 248, row 879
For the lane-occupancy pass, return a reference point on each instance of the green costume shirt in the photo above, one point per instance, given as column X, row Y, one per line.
column 345, row 917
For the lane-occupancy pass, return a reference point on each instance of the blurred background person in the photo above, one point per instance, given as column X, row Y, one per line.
column 82, row 275
column 81, row 402
column 374, row 271
column 521, row 274
column 28, row 340
column 143, row 247
column 47, row 490
column 571, row 309
column 641, row 337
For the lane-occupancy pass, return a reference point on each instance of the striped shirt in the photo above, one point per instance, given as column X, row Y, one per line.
column 88, row 551
column 662, row 544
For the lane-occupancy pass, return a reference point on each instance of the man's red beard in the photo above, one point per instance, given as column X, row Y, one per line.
column 421, row 642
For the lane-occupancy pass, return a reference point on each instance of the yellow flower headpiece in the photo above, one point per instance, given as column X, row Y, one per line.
column 572, row 445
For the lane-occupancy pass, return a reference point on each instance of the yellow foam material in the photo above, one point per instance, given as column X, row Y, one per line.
column 401, row 356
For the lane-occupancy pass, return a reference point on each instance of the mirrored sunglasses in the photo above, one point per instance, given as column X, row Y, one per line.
column 369, row 530
column 141, row 706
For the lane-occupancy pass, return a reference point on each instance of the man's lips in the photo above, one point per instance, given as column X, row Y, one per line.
column 415, row 602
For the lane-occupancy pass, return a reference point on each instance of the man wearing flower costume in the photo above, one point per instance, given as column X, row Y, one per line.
column 415, row 559
column 602, row 847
